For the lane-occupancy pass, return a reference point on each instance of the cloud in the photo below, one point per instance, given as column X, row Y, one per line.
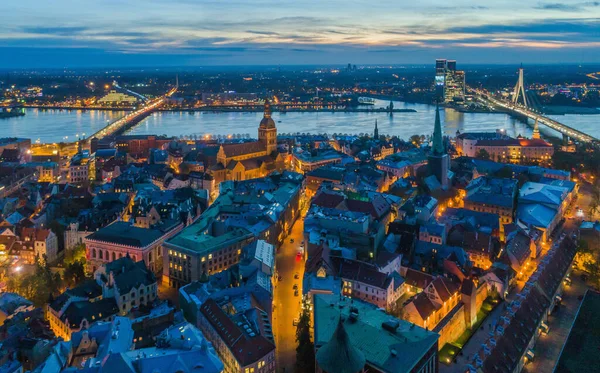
column 271, row 33
column 576, row 7
column 54, row 31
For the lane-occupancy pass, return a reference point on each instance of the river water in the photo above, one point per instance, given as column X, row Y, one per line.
column 56, row 125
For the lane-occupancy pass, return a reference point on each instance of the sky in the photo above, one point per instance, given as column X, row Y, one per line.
column 156, row 33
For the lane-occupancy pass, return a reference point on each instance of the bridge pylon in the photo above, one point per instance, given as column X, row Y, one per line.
column 520, row 89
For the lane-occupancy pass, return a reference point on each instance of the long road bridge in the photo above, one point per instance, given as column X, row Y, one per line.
column 522, row 110
column 121, row 125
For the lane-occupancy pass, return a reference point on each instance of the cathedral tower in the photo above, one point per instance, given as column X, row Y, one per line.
column 438, row 160
column 267, row 131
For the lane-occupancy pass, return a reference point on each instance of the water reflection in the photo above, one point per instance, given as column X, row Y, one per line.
column 54, row 125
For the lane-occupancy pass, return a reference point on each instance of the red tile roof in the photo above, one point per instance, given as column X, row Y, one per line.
column 233, row 150
column 534, row 143
column 417, row 278
column 424, row 305
column 360, row 271
column 35, row 234
column 247, row 350
column 327, row 200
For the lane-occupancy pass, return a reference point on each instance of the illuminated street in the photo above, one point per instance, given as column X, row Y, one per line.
column 548, row 347
column 286, row 304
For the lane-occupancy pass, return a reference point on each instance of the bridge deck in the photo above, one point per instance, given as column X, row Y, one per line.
column 557, row 126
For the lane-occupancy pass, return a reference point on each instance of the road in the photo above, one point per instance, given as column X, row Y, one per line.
column 557, row 126
column 286, row 305
column 547, row 348
column 584, row 200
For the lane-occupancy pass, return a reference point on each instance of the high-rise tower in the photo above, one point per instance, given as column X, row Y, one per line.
column 267, row 131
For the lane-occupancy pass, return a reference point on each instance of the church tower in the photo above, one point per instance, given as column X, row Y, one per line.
column 376, row 132
column 438, row 161
column 536, row 130
column 267, row 132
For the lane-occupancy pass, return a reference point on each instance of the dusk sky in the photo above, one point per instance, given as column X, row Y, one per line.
column 113, row 33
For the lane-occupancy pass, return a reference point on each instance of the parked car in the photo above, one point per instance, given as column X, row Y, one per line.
column 295, row 287
column 296, row 293
column 296, row 275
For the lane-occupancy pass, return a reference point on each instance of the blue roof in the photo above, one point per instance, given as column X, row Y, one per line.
column 570, row 185
column 536, row 215
column 542, row 193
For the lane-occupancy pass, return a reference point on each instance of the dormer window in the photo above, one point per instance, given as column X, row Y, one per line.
column 321, row 273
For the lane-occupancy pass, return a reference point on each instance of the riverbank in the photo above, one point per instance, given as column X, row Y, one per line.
column 566, row 110
column 275, row 109
column 234, row 109
column 71, row 108
column 10, row 114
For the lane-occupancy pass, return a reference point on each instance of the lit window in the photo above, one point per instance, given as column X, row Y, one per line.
column 203, row 259
column 209, row 256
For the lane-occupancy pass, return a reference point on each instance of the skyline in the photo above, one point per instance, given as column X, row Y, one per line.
column 185, row 33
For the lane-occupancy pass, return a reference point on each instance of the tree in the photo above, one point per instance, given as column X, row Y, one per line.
column 77, row 254
column 482, row 154
column 305, row 352
column 39, row 286
column 74, row 274
column 416, row 140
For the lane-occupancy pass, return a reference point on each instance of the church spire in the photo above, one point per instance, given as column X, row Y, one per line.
column 438, row 146
column 376, row 132
column 536, row 130
column 267, row 108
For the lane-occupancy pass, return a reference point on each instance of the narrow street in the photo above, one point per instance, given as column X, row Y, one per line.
column 548, row 347
column 286, row 305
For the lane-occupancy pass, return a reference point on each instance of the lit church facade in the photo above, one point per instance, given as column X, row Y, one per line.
column 250, row 160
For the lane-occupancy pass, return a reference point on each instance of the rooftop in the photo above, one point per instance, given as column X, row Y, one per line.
column 123, row 233
column 246, row 344
column 542, row 193
column 493, row 191
column 387, row 343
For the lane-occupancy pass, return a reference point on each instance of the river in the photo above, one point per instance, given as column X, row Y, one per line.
column 57, row 125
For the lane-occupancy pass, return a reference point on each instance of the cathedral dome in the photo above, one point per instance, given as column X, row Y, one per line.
column 267, row 121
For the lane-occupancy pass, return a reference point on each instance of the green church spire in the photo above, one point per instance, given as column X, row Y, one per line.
column 438, row 146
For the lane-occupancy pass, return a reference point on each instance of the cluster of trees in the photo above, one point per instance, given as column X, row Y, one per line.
column 595, row 202
column 586, row 159
column 586, row 260
column 45, row 283
column 40, row 287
